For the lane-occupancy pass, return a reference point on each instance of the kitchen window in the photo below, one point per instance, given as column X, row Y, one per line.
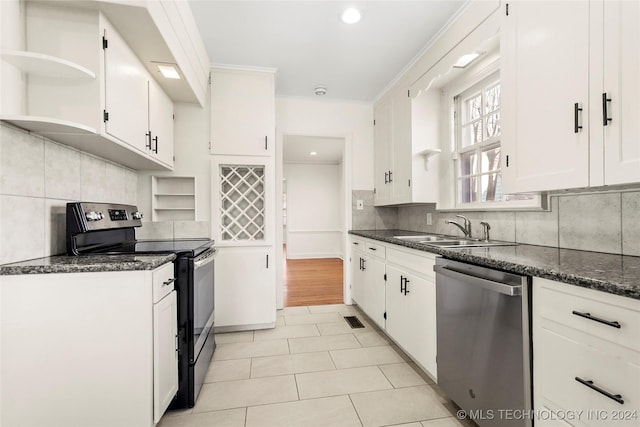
column 477, row 152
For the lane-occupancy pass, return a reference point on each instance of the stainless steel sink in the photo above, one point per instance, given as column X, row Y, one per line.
column 440, row 241
column 464, row 243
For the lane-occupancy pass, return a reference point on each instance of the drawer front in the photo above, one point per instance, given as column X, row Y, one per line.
column 421, row 264
column 163, row 279
column 560, row 360
column 375, row 249
column 357, row 245
column 585, row 309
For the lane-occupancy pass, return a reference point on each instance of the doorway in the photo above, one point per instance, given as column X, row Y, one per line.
column 313, row 225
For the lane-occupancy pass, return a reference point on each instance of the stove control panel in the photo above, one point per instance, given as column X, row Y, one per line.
column 118, row 215
column 136, row 215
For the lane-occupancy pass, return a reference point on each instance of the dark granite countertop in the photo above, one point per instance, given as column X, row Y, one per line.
column 615, row 274
column 86, row 263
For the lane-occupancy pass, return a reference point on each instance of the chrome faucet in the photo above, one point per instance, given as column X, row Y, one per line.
column 466, row 229
column 485, row 228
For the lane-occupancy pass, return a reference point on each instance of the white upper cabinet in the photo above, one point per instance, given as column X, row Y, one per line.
column 160, row 124
column 382, row 151
column 545, row 81
column 621, row 92
column 126, row 92
column 242, row 112
column 400, row 174
column 564, row 65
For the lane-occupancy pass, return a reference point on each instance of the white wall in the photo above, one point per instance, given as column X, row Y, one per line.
column 311, row 117
column 314, row 214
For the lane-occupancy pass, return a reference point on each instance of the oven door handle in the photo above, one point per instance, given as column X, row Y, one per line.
column 206, row 257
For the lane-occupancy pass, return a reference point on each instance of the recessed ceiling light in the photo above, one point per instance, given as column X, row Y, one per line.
column 467, row 59
column 351, row 16
column 320, row 90
column 313, row 153
column 169, row 71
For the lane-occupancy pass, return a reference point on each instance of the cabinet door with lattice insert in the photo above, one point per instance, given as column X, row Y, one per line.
column 243, row 202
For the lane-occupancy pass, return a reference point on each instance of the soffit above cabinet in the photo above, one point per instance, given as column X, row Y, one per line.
column 159, row 32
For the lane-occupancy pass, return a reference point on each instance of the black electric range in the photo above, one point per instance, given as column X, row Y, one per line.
column 109, row 229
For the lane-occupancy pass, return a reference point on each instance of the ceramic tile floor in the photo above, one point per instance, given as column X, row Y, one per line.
column 314, row 370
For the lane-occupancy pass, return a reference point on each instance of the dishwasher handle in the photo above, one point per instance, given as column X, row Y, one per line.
column 491, row 285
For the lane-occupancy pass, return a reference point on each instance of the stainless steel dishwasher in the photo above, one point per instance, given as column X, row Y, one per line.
column 484, row 358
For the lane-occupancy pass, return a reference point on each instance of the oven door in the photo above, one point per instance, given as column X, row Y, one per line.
column 203, row 295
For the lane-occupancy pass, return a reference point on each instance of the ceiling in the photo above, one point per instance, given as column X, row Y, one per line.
column 297, row 148
column 309, row 45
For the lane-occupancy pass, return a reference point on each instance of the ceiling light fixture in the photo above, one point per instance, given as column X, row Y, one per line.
column 467, row 59
column 320, row 90
column 351, row 16
column 169, row 71
column 313, row 153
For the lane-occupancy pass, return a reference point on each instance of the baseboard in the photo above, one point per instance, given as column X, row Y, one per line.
column 313, row 256
column 240, row 328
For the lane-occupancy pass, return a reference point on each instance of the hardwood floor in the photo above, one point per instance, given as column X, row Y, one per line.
column 312, row 281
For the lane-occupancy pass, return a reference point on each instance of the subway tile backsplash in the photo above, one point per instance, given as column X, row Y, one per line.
column 600, row 222
column 37, row 178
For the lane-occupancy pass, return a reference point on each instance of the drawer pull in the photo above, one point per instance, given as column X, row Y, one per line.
column 168, row 282
column 592, row 386
column 597, row 319
column 373, row 249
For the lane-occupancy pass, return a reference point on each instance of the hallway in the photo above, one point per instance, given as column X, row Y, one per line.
column 312, row 281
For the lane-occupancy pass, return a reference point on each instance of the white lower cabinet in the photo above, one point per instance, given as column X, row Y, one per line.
column 87, row 349
column 165, row 354
column 395, row 287
column 411, row 306
column 245, row 291
column 586, row 357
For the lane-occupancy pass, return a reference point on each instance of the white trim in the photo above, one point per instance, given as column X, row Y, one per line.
column 318, row 255
column 347, row 221
column 232, row 67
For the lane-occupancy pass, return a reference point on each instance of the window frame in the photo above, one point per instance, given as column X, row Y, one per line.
column 477, row 78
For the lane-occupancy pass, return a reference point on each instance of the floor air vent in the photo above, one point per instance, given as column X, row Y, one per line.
column 353, row 322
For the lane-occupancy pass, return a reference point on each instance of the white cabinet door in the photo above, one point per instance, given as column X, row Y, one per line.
column 401, row 142
column 374, row 289
column 165, row 354
column 245, row 291
column 382, row 152
column 357, row 275
column 422, row 339
column 544, row 73
column 622, row 87
column 242, row 113
column 126, row 93
column 397, row 304
column 160, row 123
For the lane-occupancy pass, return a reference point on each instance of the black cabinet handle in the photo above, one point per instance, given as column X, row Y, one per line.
column 613, row 324
column 360, row 264
column 373, row 249
column 148, row 144
column 401, row 284
column 406, row 288
column 355, row 243
column 267, row 260
column 576, row 119
column 386, row 177
column 156, row 141
column 364, row 264
column 266, row 146
column 390, row 176
column 605, row 114
column 592, row 386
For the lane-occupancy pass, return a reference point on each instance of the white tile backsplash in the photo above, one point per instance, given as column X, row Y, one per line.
column 61, row 166
column 22, row 163
column 21, row 228
column 37, row 178
column 606, row 221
